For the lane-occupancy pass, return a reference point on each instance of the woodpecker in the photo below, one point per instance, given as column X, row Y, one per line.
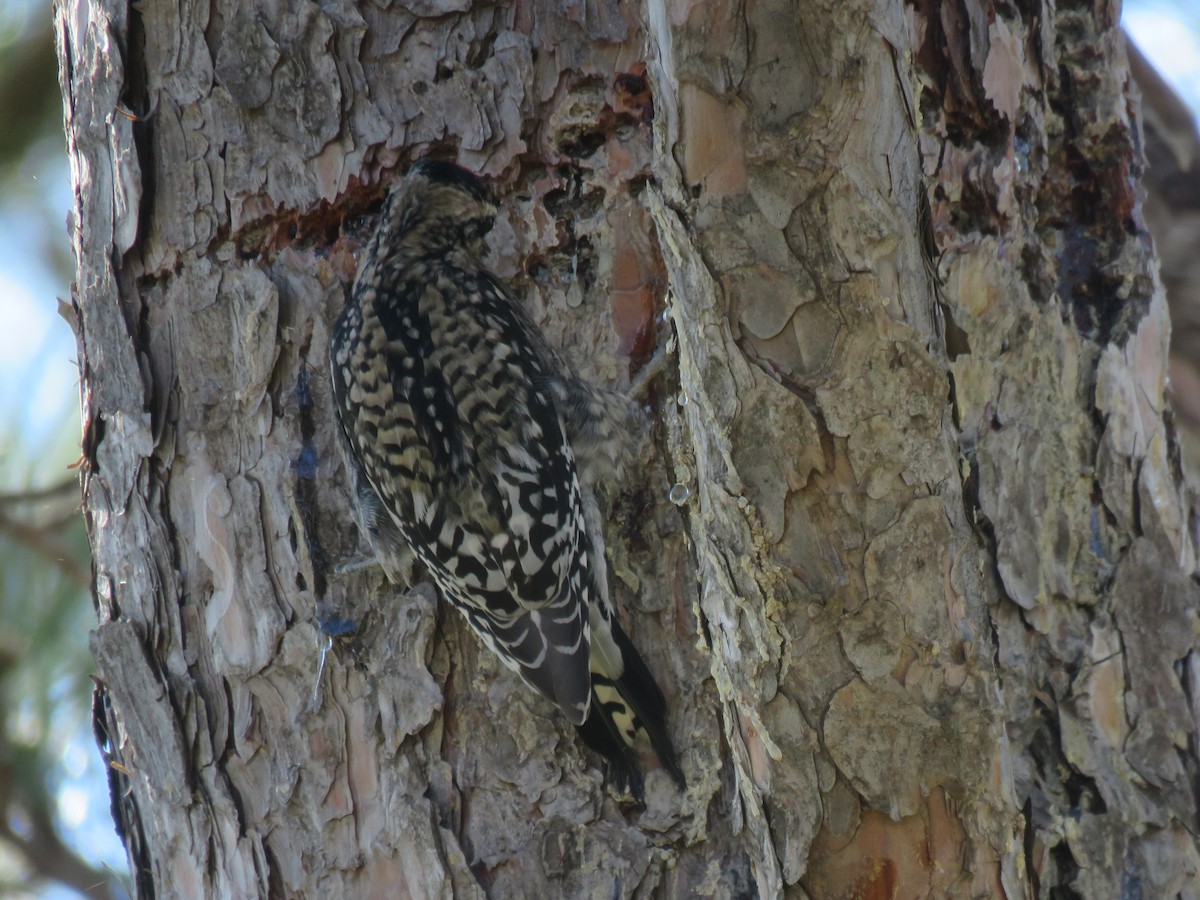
column 473, row 449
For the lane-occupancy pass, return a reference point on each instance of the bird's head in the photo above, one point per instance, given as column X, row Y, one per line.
column 438, row 205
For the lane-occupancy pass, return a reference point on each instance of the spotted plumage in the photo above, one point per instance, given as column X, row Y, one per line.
column 472, row 448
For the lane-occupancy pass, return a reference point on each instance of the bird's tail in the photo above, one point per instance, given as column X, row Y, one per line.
column 627, row 706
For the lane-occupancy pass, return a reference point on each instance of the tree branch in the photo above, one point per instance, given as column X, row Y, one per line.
column 50, row 492
column 41, row 540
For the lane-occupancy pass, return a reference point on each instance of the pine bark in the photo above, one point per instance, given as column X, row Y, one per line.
column 908, row 546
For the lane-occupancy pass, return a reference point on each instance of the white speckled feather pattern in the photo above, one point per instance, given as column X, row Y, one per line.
column 462, row 429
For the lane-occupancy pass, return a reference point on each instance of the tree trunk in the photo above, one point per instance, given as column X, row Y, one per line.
column 907, row 548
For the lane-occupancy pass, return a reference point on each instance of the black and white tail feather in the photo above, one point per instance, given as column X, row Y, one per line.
column 473, row 449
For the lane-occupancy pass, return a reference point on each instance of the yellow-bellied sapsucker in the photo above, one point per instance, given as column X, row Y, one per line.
column 473, row 447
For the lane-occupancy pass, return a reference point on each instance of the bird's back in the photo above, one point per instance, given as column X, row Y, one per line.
column 449, row 400
column 461, row 429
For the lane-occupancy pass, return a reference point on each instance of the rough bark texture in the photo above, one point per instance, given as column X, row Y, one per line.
column 1172, row 141
column 924, row 618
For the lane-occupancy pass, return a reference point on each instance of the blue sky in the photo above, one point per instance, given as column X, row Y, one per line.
column 1169, row 36
column 38, row 377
